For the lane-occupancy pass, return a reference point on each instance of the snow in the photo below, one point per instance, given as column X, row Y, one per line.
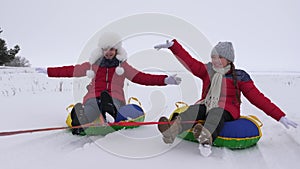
column 31, row 100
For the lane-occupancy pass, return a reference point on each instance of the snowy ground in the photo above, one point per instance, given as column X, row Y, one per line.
column 30, row 100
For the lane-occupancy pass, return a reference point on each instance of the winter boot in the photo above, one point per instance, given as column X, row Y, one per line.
column 203, row 136
column 170, row 130
column 78, row 118
column 107, row 105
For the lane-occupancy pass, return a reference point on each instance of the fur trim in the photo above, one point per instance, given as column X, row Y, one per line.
column 95, row 55
column 109, row 40
column 120, row 70
column 90, row 74
column 122, row 54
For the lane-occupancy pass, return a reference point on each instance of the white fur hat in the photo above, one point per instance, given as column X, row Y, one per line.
column 108, row 40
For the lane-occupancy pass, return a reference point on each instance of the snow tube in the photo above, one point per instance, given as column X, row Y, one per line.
column 129, row 112
column 238, row 134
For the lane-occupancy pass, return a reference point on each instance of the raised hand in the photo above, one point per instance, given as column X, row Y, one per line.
column 41, row 70
column 173, row 80
column 287, row 123
column 164, row 45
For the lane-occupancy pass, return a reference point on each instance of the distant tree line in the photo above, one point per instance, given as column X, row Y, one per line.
column 8, row 57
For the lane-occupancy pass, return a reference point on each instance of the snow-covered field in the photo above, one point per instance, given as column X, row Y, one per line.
column 30, row 100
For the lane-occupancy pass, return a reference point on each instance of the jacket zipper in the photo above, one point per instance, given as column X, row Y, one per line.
column 106, row 78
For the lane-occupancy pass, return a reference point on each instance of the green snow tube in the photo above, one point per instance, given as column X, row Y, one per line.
column 129, row 113
column 238, row 134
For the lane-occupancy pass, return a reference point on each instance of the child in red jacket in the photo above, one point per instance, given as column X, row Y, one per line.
column 221, row 96
column 107, row 68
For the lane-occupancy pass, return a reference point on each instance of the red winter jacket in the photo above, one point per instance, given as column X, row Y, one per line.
column 106, row 78
column 228, row 100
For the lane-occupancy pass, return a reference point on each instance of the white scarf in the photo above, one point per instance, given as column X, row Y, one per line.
column 212, row 98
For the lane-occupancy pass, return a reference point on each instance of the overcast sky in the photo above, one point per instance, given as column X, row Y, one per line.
column 265, row 33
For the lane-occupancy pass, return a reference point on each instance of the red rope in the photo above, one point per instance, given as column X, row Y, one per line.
column 129, row 123
column 132, row 123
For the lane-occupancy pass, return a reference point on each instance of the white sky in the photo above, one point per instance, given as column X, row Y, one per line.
column 53, row 32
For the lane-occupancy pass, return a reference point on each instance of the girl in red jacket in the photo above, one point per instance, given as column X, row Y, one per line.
column 107, row 68
column 221, row 96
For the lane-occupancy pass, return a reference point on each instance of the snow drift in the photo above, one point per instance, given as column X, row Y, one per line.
column 30, row 100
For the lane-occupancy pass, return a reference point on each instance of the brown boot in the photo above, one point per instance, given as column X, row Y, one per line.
column 202, row 135
column 204, row 138
column 169, row 130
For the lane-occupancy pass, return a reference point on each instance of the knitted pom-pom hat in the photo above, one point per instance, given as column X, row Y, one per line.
column 224, row 49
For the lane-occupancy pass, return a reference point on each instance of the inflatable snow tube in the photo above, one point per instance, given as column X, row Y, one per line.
column 129, row 112
column 238, row 134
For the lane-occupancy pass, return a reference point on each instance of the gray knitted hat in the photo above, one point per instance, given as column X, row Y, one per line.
column 224, row 49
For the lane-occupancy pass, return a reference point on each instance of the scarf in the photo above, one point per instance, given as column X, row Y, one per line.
column 212, row 98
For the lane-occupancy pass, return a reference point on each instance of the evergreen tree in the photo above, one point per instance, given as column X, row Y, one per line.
column 7, row 55
column 19, row 61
